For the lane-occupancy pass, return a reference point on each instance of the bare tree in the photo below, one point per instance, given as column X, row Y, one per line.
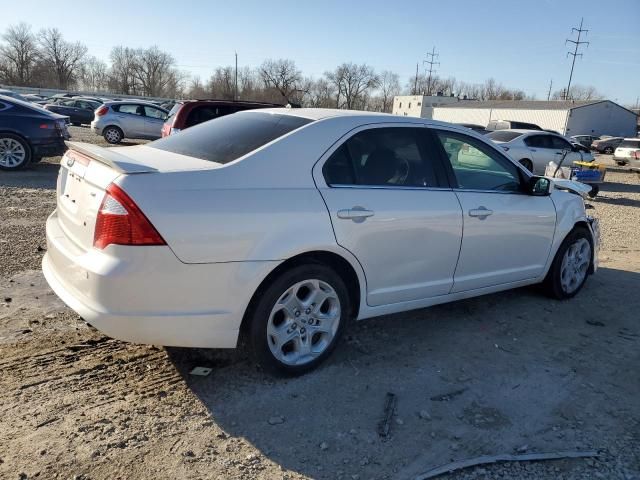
column 94, row 74
column 352, row 83
column 579, row 92
column 283, row 76
column 18, row 55
column 153, row 69
column 222, row 83
column 389, row 87
column 321, row 94
column 63, row 57
column 197, row 89
column 122, row 74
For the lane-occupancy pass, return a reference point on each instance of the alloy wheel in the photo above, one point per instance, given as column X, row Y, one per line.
column 303, row 322
column 575, row 265
column 112, row 135
column 12, row 153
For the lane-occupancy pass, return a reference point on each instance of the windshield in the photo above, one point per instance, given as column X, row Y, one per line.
column 228, row 138
column 503, row 135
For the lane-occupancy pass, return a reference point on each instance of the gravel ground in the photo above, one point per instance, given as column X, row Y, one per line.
column 505, row 373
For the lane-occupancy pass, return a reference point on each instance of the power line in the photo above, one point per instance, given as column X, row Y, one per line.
column 431, row 61
column 575, row 53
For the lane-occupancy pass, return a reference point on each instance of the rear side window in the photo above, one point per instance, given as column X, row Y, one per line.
column 539, row 141
column 128, row 108
column 382, row 157
column 630, row 144
column 503, row 135
column 205, row 113
column 560, row 143
column 228, row 138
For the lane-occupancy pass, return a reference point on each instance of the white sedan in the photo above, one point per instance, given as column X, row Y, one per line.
column 534, row 149
column 280, row 226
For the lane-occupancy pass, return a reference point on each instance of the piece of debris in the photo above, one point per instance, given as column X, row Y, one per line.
column 47, row 422
column 522, row 449
column 488, row 459
column 200, row 371
column 594, row 323
column 324, row 446
column 389, row 408
column 448, row 396
column 277, row 420
column 423, row 414
column 8, row 299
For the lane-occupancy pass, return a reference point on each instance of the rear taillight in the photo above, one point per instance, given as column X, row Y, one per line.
column 121, row 222
column 102, row 110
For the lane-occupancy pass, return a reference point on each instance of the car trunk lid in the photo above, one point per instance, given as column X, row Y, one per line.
column 87, row 170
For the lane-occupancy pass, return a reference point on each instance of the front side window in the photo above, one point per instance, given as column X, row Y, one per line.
column 559, row 143
column 476, row 166
column 393, row 156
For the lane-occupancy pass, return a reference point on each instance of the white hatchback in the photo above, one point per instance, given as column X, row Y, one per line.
column 279, row 226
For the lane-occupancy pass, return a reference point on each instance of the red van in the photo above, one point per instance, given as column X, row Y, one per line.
column 187, row 113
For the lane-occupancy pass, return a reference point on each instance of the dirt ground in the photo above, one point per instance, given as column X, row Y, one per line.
column 505, row 373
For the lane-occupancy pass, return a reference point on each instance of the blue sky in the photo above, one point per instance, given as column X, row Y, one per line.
column 520, row 43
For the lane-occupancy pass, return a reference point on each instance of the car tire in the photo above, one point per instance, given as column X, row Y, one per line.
column 571, row 266
column 36, row 159
column 595, row 189
column 290, row 334
column 15, row 152
column 526, row 163
column 113, row 135
column 608, row 150
column 621, row 164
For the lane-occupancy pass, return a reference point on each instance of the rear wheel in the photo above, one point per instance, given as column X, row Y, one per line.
column 526, row 163
column 113, row 135
column 298, row 319
column 571, row 265
column 15, row 152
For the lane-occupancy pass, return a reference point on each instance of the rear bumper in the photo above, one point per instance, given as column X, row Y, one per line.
column 96, row 128
column 53, row 148
column 146, row 295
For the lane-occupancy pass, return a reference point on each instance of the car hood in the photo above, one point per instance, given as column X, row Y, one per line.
column 572, row 186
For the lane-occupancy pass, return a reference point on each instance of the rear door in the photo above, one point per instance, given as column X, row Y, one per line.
column 383, row 186
column 542, row 152
column 131, row 119
column 84, row 111
column 507, row 233
column 154, row 120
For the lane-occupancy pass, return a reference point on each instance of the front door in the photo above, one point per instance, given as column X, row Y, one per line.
column 507, row 232
column 383, row 193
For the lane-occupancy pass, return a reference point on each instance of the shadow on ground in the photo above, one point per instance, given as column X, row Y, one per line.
column 36, row 175
column 482, row 376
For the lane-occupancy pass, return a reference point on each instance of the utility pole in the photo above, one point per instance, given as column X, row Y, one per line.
column 415, row 83
column 431, row 61
column 550, row 86
column 235, row 92
column 575, row 53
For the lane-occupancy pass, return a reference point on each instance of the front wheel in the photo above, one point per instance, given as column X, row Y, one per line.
column 571, row 265
column 298, row 319
column 608, row 150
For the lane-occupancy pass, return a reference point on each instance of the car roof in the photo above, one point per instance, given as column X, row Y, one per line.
column 140, row 102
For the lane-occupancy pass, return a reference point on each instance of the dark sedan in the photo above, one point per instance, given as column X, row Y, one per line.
column 79, row 111
column 28, row 133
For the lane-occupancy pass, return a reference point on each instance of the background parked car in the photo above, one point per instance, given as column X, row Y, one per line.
column 585, row 140
column 510, row 125
column 79, row 111
column 629, row 149
column 9, row 93
column 28, row 133
column 188, row 113
column 475, row 127
column 535, row 149
column 606, row 145
column 116, row 121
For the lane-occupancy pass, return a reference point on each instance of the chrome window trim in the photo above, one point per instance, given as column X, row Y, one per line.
column 389, row 187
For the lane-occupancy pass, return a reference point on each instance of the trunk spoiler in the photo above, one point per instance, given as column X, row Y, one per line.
column 110, row 157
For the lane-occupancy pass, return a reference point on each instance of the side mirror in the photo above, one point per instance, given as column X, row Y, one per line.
column 539, row 186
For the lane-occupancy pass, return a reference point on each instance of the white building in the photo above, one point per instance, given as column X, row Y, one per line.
column 419, row 105
column 595, row 117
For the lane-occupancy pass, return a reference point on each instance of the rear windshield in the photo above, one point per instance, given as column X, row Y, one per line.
column 503, row 135
column 630, row 144
column 228, row 138
column 173, row 111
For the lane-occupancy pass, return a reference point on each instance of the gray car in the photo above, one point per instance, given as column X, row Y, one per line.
column 116, row 121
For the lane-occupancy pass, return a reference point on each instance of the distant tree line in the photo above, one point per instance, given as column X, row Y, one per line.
column 46, row 59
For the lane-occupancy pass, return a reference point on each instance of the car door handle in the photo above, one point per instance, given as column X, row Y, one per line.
column 355, row 213
column 480, row 212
